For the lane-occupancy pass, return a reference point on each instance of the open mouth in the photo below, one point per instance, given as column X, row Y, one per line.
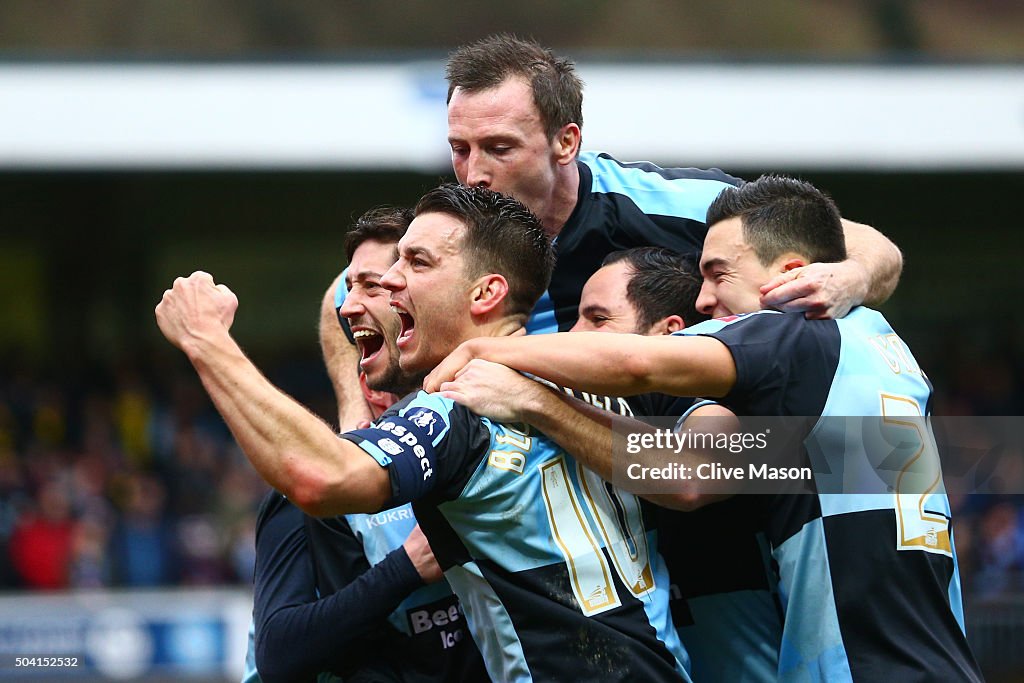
column 369, row 343
column 408, row 326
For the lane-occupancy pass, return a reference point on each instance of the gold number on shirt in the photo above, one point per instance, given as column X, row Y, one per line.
column 628, row 546
column 919, row 480
column 589, row 573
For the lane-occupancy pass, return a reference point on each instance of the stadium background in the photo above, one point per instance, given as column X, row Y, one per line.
column 126, row 512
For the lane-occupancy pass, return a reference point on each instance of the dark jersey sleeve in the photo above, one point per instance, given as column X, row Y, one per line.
column 654, row 404
column 784, row 363
column 429, row 444
column 297, row 634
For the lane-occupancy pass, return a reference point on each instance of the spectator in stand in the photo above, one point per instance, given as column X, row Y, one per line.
column 41, row 543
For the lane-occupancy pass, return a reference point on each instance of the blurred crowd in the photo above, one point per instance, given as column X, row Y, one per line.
column 126, row 483
column 128, row 479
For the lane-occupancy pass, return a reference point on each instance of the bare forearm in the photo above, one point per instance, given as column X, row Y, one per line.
column 581, row 430
column 585, row 432
column 614, row 365
column 881, row 259
column 292, row 449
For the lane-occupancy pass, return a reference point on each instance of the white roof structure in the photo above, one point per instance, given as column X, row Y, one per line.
column 391, row 115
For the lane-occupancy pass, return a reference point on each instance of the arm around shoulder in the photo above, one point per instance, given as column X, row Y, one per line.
column 606, row 364
column 879, row 256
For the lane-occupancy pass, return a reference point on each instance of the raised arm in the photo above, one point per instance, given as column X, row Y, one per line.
column 829, row 290
column 292, row 449
column 342, row 361
column 608, row 364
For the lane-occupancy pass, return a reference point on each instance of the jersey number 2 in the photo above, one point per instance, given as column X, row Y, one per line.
column 920, row 478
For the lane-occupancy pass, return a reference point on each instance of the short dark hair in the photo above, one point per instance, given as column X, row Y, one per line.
column 502, row 236
column 487, row 63
column 382, row 224
column 781, row 214
column 662, row 282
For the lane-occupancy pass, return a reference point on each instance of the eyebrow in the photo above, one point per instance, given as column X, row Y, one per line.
column 488, row 138
column 711, row 263
column 418, row 251
column 361, row 276
column 592, row 310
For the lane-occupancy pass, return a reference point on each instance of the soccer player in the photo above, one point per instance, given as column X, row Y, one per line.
column 644, row 290
column 869, row 583
column 724, row 601
column 515, row 113
column 373, row 619
column 555, row 569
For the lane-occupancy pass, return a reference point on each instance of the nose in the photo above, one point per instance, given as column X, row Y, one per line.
column 393, row 280
column 477, row 170
column 706, row 300
column 352, row 306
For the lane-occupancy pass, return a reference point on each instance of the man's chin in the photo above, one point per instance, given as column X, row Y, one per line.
column 418, row 365
column 396, row 381
column 411, row 364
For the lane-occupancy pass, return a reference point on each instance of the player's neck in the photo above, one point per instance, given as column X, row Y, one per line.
column 563, row 200
column 500, row 327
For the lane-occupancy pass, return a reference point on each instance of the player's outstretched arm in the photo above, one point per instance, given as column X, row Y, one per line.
column 607, row 364
column 504, row 395
column 341, row 358
column 293, row 450
column 829, row 290
column 581, row 429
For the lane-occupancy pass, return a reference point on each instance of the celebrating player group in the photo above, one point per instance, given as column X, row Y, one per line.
column 483, row 344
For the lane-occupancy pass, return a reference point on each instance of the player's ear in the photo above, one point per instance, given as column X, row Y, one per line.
column 672, row 323
column 488, row 293
column 381, row 399
column 567, row 143
column 788, row 262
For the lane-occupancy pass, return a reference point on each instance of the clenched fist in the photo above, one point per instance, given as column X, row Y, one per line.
column 195, row 308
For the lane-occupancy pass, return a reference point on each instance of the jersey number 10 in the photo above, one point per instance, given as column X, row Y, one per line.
column 619, row 529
